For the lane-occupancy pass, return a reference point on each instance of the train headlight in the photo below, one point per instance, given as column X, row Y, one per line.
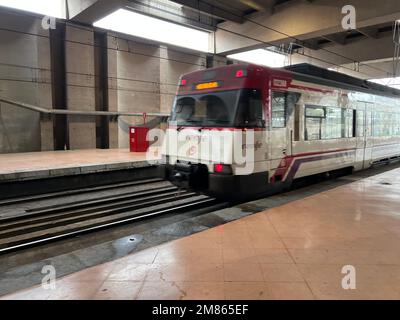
column 222, row 168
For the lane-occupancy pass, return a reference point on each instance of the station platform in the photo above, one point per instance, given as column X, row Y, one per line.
column 49, row 164
column 293, row 251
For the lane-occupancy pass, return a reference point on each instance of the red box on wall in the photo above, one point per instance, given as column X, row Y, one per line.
column 138, row 139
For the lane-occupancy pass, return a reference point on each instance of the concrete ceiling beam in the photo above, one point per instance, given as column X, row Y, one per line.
column 89, row 11
column 356, row 51
column 213, row 10
column 301, row 20
column 260, row 5
column 371, row 32
column 351, row 56
column 338, row 38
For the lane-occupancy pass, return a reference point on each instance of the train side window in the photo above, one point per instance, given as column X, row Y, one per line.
column 278, row 107
column 333, row 126
column 297, row 123
column 314, row 116
column 348, row 123
column 324, row 123
column 360, row 123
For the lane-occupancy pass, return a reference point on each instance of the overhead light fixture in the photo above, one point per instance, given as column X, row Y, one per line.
column 52, row 8
column 139, row 25
column 261, row 57
column 173, row 4
column 389, row 82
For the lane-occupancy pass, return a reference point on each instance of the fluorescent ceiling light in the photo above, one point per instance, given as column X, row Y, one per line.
column 143, row 26
column 390, row 82
column 261, row 57
column 53, row 8
column 172, row 4
column 340, row 70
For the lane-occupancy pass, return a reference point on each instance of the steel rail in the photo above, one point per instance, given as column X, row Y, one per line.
column 68, row 218
column 103, row 226
column 56, row 194
column 86, row 208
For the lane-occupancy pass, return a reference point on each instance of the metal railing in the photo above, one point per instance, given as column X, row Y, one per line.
column 80, row 113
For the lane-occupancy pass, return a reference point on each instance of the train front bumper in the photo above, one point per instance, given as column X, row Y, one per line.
column 232, row 187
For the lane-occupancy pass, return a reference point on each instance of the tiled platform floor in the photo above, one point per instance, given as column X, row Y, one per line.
column 295, row 251
column 55, row 163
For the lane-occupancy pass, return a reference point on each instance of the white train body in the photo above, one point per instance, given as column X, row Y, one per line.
column 242, row 131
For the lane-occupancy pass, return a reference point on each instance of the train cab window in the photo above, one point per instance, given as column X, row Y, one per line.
column 185, row 107
column 278, row 105
column 209, row 109
column 250, row 112
column 214, row 108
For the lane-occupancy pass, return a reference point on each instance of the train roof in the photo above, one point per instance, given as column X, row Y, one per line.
column 313, row 74
column 309, row 73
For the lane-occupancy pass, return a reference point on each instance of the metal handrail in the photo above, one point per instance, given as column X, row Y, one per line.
column 80, row 113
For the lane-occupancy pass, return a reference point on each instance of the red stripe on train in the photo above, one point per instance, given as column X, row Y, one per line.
column 318, row 153
column 287, row 162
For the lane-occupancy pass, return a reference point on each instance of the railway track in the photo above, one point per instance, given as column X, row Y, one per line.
column 44, row 224
column 51, row 195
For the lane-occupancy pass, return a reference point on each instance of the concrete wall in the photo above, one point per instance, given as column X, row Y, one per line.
column 172, row 66
column 143, row 77
column 24, row 76
column 148, row 75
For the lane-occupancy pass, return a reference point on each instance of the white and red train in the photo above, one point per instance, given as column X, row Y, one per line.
column 302, row 120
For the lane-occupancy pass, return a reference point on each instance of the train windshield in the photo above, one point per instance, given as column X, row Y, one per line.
column 239, row 108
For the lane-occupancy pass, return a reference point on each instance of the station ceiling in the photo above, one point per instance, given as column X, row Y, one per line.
column 308, row 29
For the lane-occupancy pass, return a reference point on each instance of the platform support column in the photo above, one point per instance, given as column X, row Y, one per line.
column 101, row 89
column 59, row 86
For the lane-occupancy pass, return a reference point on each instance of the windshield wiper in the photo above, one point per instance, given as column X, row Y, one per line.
column 180, row 127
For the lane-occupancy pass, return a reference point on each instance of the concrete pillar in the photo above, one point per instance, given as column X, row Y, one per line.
column 112, row 89
column 220, row 61
column 80, row 86
column 23, row 53
column 45, row 93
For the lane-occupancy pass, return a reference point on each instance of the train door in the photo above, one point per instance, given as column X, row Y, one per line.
column 280, row 132
column 363, row 134
column 368, row 144
column 360, row 135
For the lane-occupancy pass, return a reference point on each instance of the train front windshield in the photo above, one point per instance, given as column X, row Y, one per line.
column 238, row 108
